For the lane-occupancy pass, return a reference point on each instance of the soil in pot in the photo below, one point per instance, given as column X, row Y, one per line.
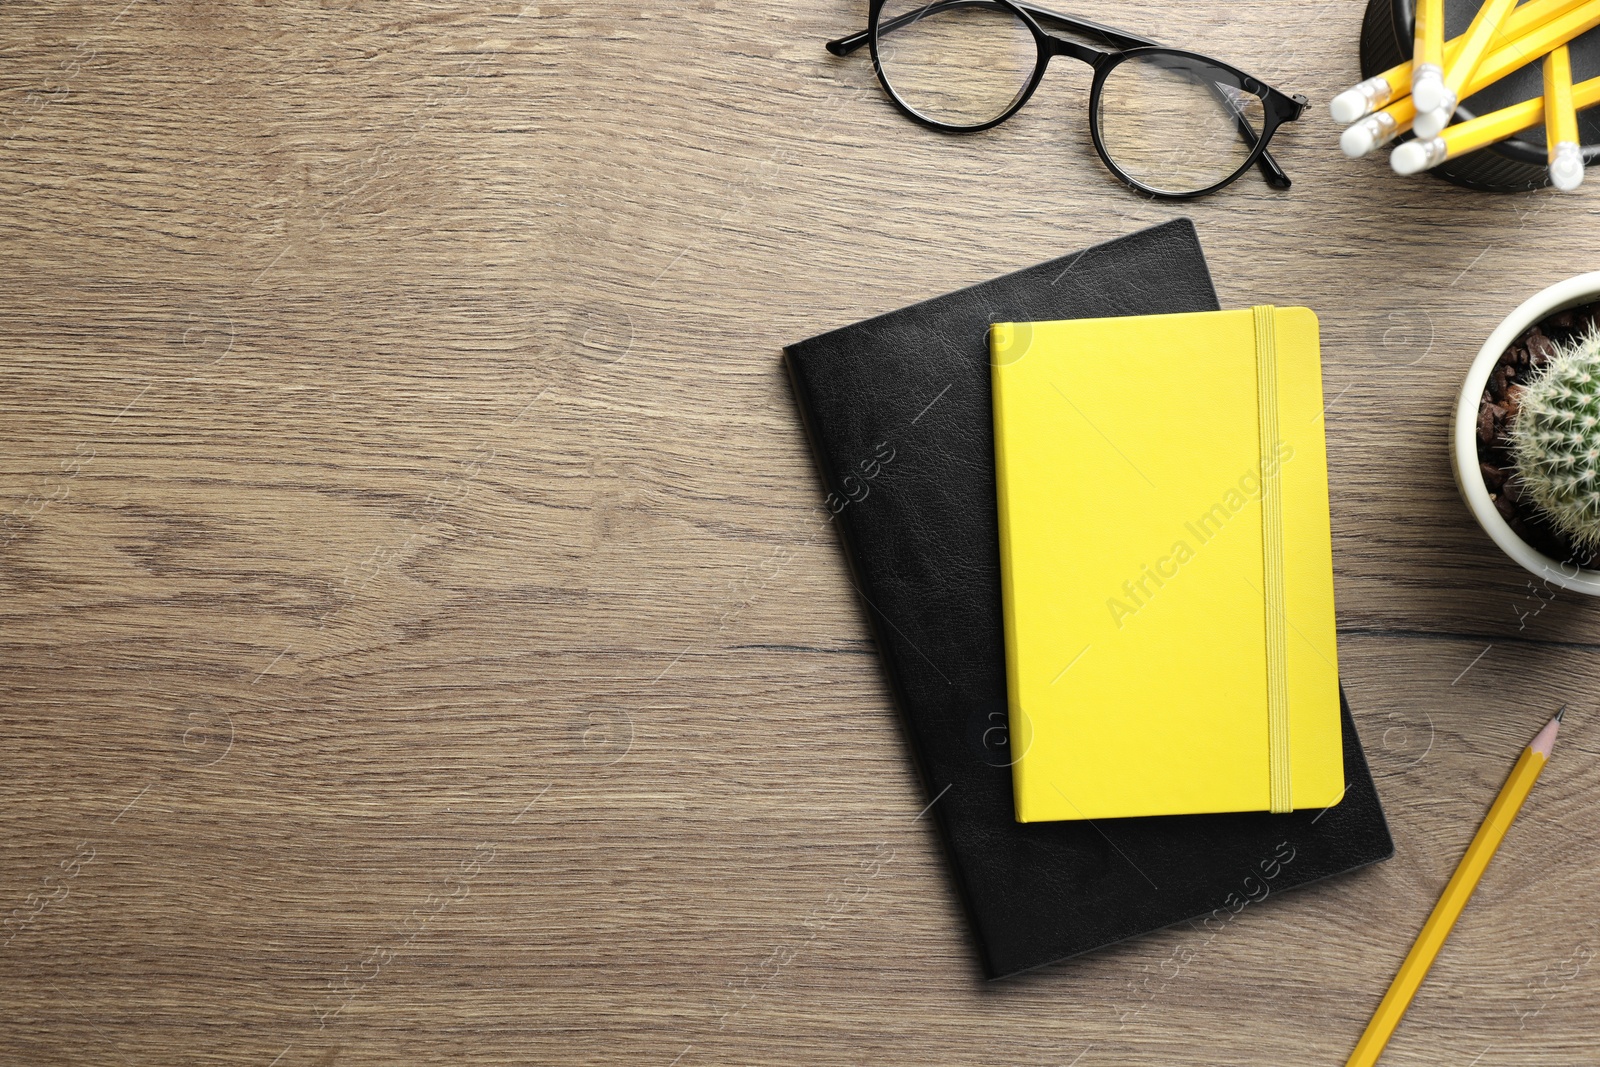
column 1497, row 413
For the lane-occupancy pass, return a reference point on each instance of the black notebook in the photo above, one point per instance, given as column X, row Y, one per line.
column 898, row 412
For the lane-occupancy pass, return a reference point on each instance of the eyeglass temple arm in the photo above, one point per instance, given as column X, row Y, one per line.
column 1266, row 164
column 845, row 45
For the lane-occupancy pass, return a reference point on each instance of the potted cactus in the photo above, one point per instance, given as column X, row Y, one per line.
column 1555, row 441
column 1526, row 439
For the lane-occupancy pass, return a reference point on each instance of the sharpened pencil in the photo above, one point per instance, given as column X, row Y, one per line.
column 1456, row 894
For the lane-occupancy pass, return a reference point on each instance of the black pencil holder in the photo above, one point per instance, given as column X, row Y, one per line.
column 1515, row 165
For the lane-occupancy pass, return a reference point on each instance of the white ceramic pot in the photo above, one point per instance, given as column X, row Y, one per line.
column 1464, row 433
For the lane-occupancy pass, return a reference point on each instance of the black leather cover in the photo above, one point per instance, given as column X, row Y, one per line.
column 898, row 412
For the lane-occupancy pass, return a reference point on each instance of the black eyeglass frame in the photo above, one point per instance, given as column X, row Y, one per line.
column 1278, row 107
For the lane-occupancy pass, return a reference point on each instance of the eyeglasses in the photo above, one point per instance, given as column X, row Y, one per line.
column 1166, row 122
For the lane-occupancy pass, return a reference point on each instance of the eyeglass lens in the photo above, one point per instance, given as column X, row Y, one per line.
column 955, row 62
column 1176, row 124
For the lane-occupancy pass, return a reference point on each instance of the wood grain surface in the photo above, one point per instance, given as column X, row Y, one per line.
column 423, row 640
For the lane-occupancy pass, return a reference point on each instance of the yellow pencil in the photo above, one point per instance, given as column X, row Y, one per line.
column 1427, row 57
column 1363, row 99
column 1561, row 122
column 1515, row 55
column 1479, row 853
column 1486, row 28
column 1378, row 128
column 1470, row 136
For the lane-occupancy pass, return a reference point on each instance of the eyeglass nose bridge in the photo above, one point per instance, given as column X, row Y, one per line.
column 1062, row 46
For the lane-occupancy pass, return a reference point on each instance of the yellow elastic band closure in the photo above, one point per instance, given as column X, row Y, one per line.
column 1272, row 562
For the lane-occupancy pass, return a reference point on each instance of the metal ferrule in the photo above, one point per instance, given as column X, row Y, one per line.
column 1437, row 151
column 1382, row 127
column 1376, row 91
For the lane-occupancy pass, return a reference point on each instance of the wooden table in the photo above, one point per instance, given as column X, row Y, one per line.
column 422, row 641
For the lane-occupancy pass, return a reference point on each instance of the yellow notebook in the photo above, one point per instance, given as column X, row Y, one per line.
column 1167, row 565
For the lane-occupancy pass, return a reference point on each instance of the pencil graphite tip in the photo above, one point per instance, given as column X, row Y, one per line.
column 1561, row 713
column 1545, row 741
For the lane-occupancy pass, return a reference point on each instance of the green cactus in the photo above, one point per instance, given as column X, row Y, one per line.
column 1556, row 439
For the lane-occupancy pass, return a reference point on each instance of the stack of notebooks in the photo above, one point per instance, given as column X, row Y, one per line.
column 1099, row 573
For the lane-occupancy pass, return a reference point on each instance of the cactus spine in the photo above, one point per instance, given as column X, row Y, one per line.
column 1556, row 439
